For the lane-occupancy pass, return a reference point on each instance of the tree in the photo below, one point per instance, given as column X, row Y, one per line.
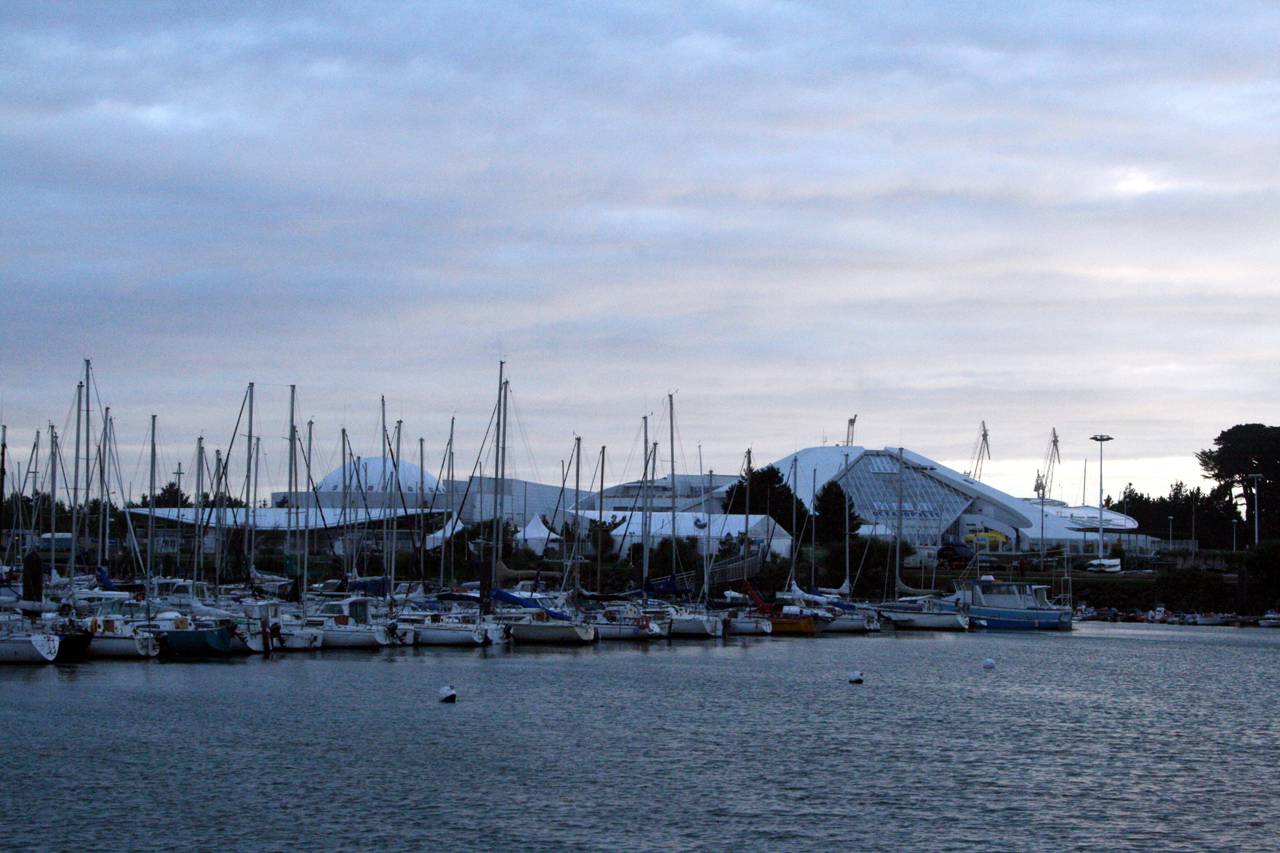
column 833, row 508
column 1237, row 455
column 770, row 495
column 1212, row 513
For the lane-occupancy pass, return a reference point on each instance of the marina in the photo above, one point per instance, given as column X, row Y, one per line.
column 1071, row 740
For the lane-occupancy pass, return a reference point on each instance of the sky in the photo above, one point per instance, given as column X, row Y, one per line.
column 925, row 214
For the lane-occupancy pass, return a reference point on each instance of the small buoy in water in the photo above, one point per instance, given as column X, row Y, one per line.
column 448, row 695
column 855, row 677
column 988, row 664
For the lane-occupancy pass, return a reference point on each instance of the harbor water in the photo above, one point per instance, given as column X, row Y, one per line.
column 1112, row 736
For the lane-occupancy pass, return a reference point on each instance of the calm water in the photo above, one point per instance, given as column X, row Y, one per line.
column 1114, row 736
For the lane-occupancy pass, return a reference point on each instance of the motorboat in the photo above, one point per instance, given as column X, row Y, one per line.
column 1007, row 605
column 1270, row 619
column 346, row 624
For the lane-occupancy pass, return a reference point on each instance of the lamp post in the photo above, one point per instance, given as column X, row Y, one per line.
column 1257, row 482
column 1101, row 439
column 1171, row 533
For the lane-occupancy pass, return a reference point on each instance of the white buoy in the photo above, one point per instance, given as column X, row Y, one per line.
column 448, row 695
column 988, row 664
column 855, row 677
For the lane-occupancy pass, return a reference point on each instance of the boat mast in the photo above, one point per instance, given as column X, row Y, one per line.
column 813, row 532
column 197, row 562
column 599, row 543
column 671, row 441
column 346, row 531
column 746, row 518
column 4, row 498
column 53, row 500
column 88, row 452
column 446, row 543
column 644, row 517
column 151, row 508
column 292, row 488
column 797, row 536
column 220, row 504
column 418, row 523
column 497, row 464
column 306, row 528
column 395, row 517
column 248, row 489
column 382, row 482
column 75, row 488
column 104, row 500
column 577, row 499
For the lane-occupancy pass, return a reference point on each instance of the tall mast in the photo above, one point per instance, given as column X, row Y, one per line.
column 644, row 517
column 220, row 486
column 598, row 544
column 418, row 524
column 395, row 527
column 746, row 518
column 53, row 498
column 813, row 533
column 306, row 529
column 502, row 473
column 75, row 486
column 151, row 506
column 671, row 438
column 248, row 486
column 446, row 541
column 88, row 452
column 797, row 536
column 497, row 464
column 577, row 499
column 292, row 488
column 382, row 484
column 253, row 541
column 346, row 531
column 178, row 482
column 197, row 564
column 104, row 500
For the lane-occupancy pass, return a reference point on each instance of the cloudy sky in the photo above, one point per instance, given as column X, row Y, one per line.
column 927, row 214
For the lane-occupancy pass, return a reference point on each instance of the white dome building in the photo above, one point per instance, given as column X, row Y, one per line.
column 369, row 484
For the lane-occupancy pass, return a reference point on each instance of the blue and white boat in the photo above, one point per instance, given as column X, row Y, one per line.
column 1007, row 605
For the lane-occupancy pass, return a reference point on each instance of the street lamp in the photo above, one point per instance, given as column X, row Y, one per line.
column 1257, row 481
column 1101, row 439
column 1171, row 533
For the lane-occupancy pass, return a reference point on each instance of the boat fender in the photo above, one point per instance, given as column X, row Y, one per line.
column 93, row 625
column 855, row 677
column 988, row 663
column 448, row 695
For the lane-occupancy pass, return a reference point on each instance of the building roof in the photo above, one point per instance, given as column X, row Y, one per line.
column 275, row 518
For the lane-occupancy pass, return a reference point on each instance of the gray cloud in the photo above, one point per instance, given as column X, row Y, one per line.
column 925, row 213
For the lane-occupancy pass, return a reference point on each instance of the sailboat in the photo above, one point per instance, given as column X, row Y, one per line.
column 922, row 610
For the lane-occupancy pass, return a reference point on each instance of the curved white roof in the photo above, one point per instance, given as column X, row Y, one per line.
column 369, row 476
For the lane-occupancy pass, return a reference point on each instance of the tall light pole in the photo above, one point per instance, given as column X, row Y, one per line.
column 1171, row 533
column 1257, row 483
column 1101, row 439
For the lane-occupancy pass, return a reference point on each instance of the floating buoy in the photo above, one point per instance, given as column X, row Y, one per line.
column 448, row 695
column 988, row 664
column 855, row 677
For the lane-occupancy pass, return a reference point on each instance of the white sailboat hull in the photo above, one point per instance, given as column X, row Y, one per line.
column 29, row 648
column 910, row 620
column 561, row 633
column 446, row 634
column 750, row 626
column 124, row 646
column 699, row 627
column 353, row 637
column 855, row 622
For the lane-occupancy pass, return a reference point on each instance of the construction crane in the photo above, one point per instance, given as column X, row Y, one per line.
column 1044, row 479
column 981, row 452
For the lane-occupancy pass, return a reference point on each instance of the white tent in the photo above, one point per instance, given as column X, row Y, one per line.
column 708, row 530
column 536, row 536
column 448, row 531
